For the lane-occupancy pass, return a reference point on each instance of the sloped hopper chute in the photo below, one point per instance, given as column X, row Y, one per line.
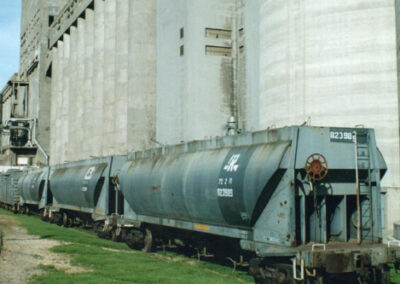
column 219, row 186
column 31, row 187
column 78, row 185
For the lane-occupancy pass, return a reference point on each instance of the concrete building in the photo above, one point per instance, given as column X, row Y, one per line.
column 103, row 79
column 195, row 68
column 16, row 146
column 112, row 76
column 37, row 16
column 25, row 99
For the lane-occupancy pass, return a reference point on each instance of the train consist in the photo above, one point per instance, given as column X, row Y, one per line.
column 297, row 204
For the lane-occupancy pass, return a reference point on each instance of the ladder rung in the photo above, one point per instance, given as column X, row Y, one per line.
column 363, row 155
column 363, row 158
column 362, row 145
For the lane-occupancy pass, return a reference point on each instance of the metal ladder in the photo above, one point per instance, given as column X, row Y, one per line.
column 14, row 186
column 364, row 163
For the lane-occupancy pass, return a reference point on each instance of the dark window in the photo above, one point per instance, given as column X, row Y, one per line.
column 51, row 20
column 182, row 33
column 182, row 50
column 241, row 32
column 218, row 33
column 218, row 50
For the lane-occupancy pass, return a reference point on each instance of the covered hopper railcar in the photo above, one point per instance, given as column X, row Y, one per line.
column 306, row 201
column 83, row 191
column 9, row 191
column 33, row 187
column 300, row 204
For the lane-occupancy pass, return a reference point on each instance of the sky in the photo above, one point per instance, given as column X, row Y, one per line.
column 10, row 22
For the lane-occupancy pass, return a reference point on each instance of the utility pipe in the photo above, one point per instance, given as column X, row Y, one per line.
column 38, row 144
column 235, row 62
column 357, row 190
column 7, row 121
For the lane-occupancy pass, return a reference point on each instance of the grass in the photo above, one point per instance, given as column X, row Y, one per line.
column 111, row 262
column 135, row 267
column 394, row 277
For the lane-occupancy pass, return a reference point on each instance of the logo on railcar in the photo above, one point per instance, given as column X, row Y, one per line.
column 225, row 183
column 232, row 165
column 89, row 173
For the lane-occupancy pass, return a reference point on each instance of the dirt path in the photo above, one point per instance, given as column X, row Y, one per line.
column 23, row 253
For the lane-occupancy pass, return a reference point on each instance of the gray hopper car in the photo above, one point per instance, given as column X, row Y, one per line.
column 297, row 204
column 305, row 200
column 89, row 185
column 32, row 185
column 9, row 191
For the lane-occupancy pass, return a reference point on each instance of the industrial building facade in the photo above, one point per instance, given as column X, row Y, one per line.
column 102, row 77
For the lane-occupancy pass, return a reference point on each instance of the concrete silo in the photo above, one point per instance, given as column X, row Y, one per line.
column 328, row 63
column 103, row 78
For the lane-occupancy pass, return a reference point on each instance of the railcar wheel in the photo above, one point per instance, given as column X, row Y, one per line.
column 99, row 229
column 134, row 239
column 52, row 219
column 148, row 241
column 315, row 280
column 114, row 236
column 43, row 215
column 140, row 240
column 65, row 221
column 382, row 275
column 56, row 219
column 270, row 273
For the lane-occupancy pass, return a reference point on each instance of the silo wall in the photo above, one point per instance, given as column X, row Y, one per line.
column 327, row 63
column 103, row 82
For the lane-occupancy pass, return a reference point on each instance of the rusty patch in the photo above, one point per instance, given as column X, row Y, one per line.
column 155, row 187
column 339, row 263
